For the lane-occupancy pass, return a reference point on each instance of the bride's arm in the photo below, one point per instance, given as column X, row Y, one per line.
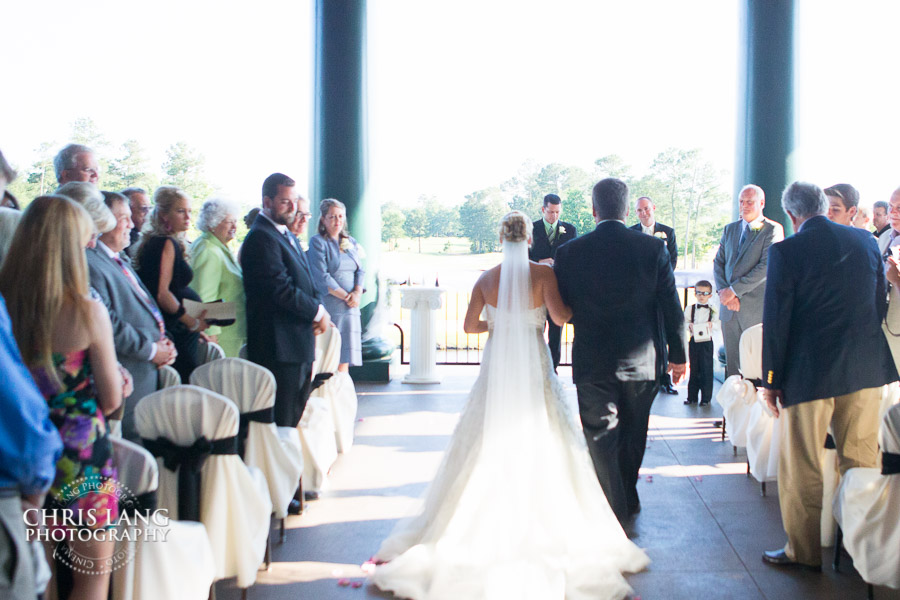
column 559, row 312
column 473, row 322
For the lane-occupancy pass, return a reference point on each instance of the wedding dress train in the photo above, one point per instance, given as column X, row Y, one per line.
column 515, row 510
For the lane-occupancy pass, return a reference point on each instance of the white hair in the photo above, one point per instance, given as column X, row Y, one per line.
column 213, row 212
column 804, row 200
column 757, row 191
column 87, row 195
column 65, row 159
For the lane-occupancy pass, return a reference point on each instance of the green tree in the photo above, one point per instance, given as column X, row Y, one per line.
column 392, row 222
column 184, row 167
column 416, row 225
column 38, row 179
column 130, row 169
column 440, row 220
column 479, row 217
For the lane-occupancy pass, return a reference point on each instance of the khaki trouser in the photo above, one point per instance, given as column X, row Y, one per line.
column 16, row 570
column 854, row 420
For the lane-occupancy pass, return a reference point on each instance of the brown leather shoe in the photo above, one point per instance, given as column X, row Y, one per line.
column 779, row 558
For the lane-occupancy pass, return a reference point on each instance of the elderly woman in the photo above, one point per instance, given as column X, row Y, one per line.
column 336, row 265
column 163, row 267
column 217, row 275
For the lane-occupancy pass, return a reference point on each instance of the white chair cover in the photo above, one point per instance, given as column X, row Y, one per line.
column 167, row 377
column 737, row 397
column 750, row 347
column 275, row 451
column 867, row 506
column 210, row 351
column 763, row 441
column 180, row 568
column 338, row 390
column 234, row 509
column 317, row 425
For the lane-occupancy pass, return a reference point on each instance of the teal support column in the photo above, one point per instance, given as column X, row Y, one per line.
column 340, row 141
column 765, row 133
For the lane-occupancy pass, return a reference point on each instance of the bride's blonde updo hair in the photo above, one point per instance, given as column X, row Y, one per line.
column 515, row 226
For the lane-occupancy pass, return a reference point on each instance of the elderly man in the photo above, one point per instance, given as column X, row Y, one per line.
column 76, row 163
column 843, row 203
column 646, row 212
column 138, row 329
column 548, row 234
column 880, row 217
column 824, row 360
column 740, row 270
column 140, row 208
column 889, row 246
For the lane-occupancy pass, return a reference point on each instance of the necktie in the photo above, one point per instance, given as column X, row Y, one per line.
column 743, row 234
column 292, row 241
column 140, row 291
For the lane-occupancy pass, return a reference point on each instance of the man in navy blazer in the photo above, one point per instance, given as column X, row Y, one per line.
column 284, row 310
column 619, row 283
column 824, row 359
column 548, row 234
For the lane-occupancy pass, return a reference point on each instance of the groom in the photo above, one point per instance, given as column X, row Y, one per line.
column 619, row 283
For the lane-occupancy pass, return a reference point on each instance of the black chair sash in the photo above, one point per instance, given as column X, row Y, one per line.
column 890, row 463
column 143, row 504
column 829, row 442
column 188, row 461
column 264, row 415
column 319, row 380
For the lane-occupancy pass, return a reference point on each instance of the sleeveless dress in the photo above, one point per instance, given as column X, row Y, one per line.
column 85, row 470
column 538, row 528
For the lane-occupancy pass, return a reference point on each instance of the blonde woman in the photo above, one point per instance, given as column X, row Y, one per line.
column 163, row 267
column 65, row 338
column 335, row 262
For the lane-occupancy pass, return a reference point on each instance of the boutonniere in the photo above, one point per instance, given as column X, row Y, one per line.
column 756, row 226
column 345, row 244
column 661, row 235
column 562, row 230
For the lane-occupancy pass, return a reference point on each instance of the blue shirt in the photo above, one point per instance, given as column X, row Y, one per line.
column 29, row 442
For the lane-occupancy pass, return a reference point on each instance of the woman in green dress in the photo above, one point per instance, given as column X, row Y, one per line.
column 217, row 274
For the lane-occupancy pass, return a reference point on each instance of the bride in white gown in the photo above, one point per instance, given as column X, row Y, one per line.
column 515, row 510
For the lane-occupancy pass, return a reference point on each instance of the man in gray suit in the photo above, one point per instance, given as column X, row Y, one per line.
column 740, row 270
column 138, row 330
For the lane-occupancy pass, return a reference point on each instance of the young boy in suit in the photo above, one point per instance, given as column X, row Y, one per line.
column 700, row 318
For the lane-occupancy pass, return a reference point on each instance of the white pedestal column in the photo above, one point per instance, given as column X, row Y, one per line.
column 423, row 301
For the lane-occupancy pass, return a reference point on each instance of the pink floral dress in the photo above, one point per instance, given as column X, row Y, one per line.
column 85, row 475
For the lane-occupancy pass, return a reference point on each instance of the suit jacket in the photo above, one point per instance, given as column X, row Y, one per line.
column 824, row 303
column 541, row 247
column 743, row 268
column 135, row 329
column 620, row 284
column 666, row 233
column 282, row 299
column 891, row 324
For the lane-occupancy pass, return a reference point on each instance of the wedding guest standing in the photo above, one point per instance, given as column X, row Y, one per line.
column 9, row 220
column 7, row 175
column 843, row 203
column 824, row 360
column 740, row 270
column 549, row 233
column 66, row 341
column 140, row 206
column 880, row 218
column 166, row 273
column 334, row 258
column 76, row 162
column 217, row 274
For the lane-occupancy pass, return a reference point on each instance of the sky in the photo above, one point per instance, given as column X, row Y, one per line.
column 461, row 93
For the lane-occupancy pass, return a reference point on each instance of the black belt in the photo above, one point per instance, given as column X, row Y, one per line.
column 188, row 462
column 264, row 415
column 142, row 504
column 890, row 463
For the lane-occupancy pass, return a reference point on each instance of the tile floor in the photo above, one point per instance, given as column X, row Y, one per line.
column 704, row 523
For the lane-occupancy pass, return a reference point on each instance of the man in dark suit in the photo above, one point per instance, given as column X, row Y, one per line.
column 619, row 284
column 646, row 212
column 138, row 329
column 548, row 234
column 824, row 358
column 284, row 311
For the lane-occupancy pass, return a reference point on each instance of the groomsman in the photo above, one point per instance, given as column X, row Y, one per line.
column 618, row 316
column 646, row 212
column 549, row 233
column 284, row 310
column 843, row 203
column 824, row 359
column 740, row 270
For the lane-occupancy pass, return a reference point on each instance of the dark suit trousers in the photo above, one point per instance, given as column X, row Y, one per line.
column 701, row 383
column 554, row 335
column 292, row 390
column 615, row 415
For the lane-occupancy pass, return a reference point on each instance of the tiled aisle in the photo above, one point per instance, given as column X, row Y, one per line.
column 703, row 523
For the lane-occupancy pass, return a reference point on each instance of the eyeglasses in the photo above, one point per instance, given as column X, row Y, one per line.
column 703, row 293
column 143, row 209
column 303, row 215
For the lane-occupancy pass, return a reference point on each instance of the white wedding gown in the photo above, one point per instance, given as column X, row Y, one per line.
column 515, row 510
